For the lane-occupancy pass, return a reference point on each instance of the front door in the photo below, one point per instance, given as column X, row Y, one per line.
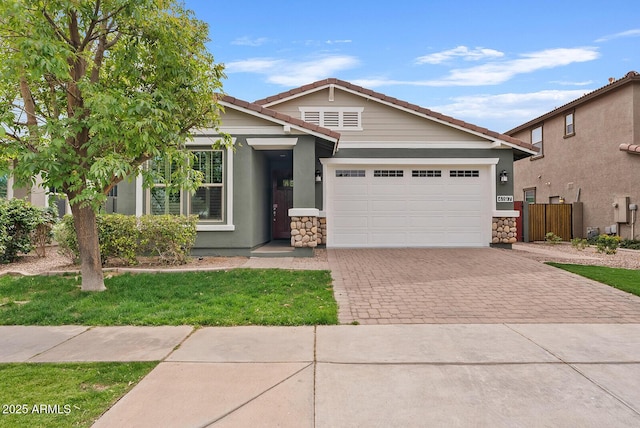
column 282, row 182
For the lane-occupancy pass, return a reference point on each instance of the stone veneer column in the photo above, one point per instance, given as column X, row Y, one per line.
column 504, row 230
column 304, row 227
column 322, row 229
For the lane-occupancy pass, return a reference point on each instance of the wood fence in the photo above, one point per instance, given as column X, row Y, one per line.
column 544, row 218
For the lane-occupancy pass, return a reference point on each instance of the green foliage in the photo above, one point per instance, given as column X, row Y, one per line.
column 579, row 243
column 22, row 227
column 624, row 279
column 127, row 237
column 552, row 238
column 224, row 298
column 3, row 185
column 82, row 391
column 607, row 244
column 168, row 237
column 630, row 244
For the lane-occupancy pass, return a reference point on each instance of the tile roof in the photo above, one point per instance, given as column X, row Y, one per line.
column 631, row 148
column 396, row 102
column 332, row 135
column 632, row 76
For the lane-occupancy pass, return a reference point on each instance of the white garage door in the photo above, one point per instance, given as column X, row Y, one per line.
column 409, row 206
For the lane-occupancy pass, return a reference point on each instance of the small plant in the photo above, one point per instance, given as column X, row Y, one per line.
column 630, row 244
column 552, row 238
column 607, row 244
column 579, row 243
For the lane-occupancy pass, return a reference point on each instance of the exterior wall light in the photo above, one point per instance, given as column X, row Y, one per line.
column 504, row 176
column 318, row 176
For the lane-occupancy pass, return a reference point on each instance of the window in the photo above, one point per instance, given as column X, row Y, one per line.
column 388, row 173
column 569, row 128
column 464, row 173
column 536, row 139
column 341, row 118
column 206, row 202
column 530, row 196
column 350, row 173
column 426, row 173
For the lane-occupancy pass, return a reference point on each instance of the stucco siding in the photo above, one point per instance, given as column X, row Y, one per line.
column 380, row 122
column 587, row 166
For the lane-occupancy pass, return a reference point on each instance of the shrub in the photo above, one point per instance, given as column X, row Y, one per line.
column 631, row 244
column 19, row 224
column 579, row 243
column 168, row 237
column 607, row 244
column 127, row 237
column 552, row 238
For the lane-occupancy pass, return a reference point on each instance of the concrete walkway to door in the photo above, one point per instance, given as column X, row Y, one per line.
column 469, row 286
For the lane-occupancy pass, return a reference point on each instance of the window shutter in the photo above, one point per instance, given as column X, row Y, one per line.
column 351, row 119
column 331, row 119
column 312, row 117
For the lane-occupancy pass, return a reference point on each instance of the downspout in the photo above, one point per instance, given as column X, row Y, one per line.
column 634, row 209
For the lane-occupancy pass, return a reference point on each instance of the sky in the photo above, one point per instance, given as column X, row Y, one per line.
column 496, row 64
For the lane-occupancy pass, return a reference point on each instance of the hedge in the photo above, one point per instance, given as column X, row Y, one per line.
column 23, row 228
column 124, row 237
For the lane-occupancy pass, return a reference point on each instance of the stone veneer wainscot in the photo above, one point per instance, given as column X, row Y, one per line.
column 504, row 230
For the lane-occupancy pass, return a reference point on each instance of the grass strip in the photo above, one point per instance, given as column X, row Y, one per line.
column 63, row 395
column 623, row 279
column 235, row 297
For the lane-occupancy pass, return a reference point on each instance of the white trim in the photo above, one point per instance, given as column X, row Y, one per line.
column 274, row 129
column 506, row 213
column 303, row 212
column 139, row 196
column 228, row 188
column 418, row 144
column 206, row 140
column 215, row 227
column 408, row 161
column 272, row 143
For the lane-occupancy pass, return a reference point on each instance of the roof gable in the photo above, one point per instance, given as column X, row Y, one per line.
column 278, row 118
column 405, row 106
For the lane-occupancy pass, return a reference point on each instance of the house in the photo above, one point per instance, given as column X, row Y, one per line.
column 588, row 156
column 332, row 163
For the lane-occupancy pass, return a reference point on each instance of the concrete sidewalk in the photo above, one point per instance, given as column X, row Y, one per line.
column 480, row 375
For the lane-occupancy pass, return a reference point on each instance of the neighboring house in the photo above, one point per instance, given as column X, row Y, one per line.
column 337, row 164
column 588, row 153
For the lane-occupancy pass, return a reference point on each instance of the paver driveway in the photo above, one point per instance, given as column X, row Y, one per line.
column 477, row 285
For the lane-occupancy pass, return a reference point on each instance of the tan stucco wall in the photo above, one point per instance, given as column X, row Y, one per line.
column 590, row 161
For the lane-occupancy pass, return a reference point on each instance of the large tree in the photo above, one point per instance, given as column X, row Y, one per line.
column 92, row 89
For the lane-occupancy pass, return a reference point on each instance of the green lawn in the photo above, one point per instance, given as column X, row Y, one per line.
column 624, row 279
column 63, row 395
column 235, row 297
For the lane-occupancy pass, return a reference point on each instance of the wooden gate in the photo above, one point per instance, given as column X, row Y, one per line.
column 544, row 218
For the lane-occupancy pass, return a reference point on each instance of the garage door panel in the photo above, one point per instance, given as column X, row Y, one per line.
column 347, row 189
column 352, row 206
column 410, row 211
column 349, row 222
column 392, row 204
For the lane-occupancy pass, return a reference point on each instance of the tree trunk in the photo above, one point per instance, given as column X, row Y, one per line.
column 86, row 225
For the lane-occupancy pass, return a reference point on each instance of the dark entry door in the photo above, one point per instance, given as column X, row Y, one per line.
column 282, row 202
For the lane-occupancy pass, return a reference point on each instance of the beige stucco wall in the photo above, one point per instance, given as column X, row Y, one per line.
column 589, row 162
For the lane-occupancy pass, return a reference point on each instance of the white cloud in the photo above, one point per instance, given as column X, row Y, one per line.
column 290, row 73
column 628, row 33
column 507, row 110
column 247, row 41
column 335, row 42
column 459, row 52
column 570, row 83
column 497, row 72
column 254, row 65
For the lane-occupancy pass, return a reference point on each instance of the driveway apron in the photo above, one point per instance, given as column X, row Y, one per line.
column 474, row 285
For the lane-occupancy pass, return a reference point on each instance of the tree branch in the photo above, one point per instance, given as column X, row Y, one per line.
column 56, row 29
